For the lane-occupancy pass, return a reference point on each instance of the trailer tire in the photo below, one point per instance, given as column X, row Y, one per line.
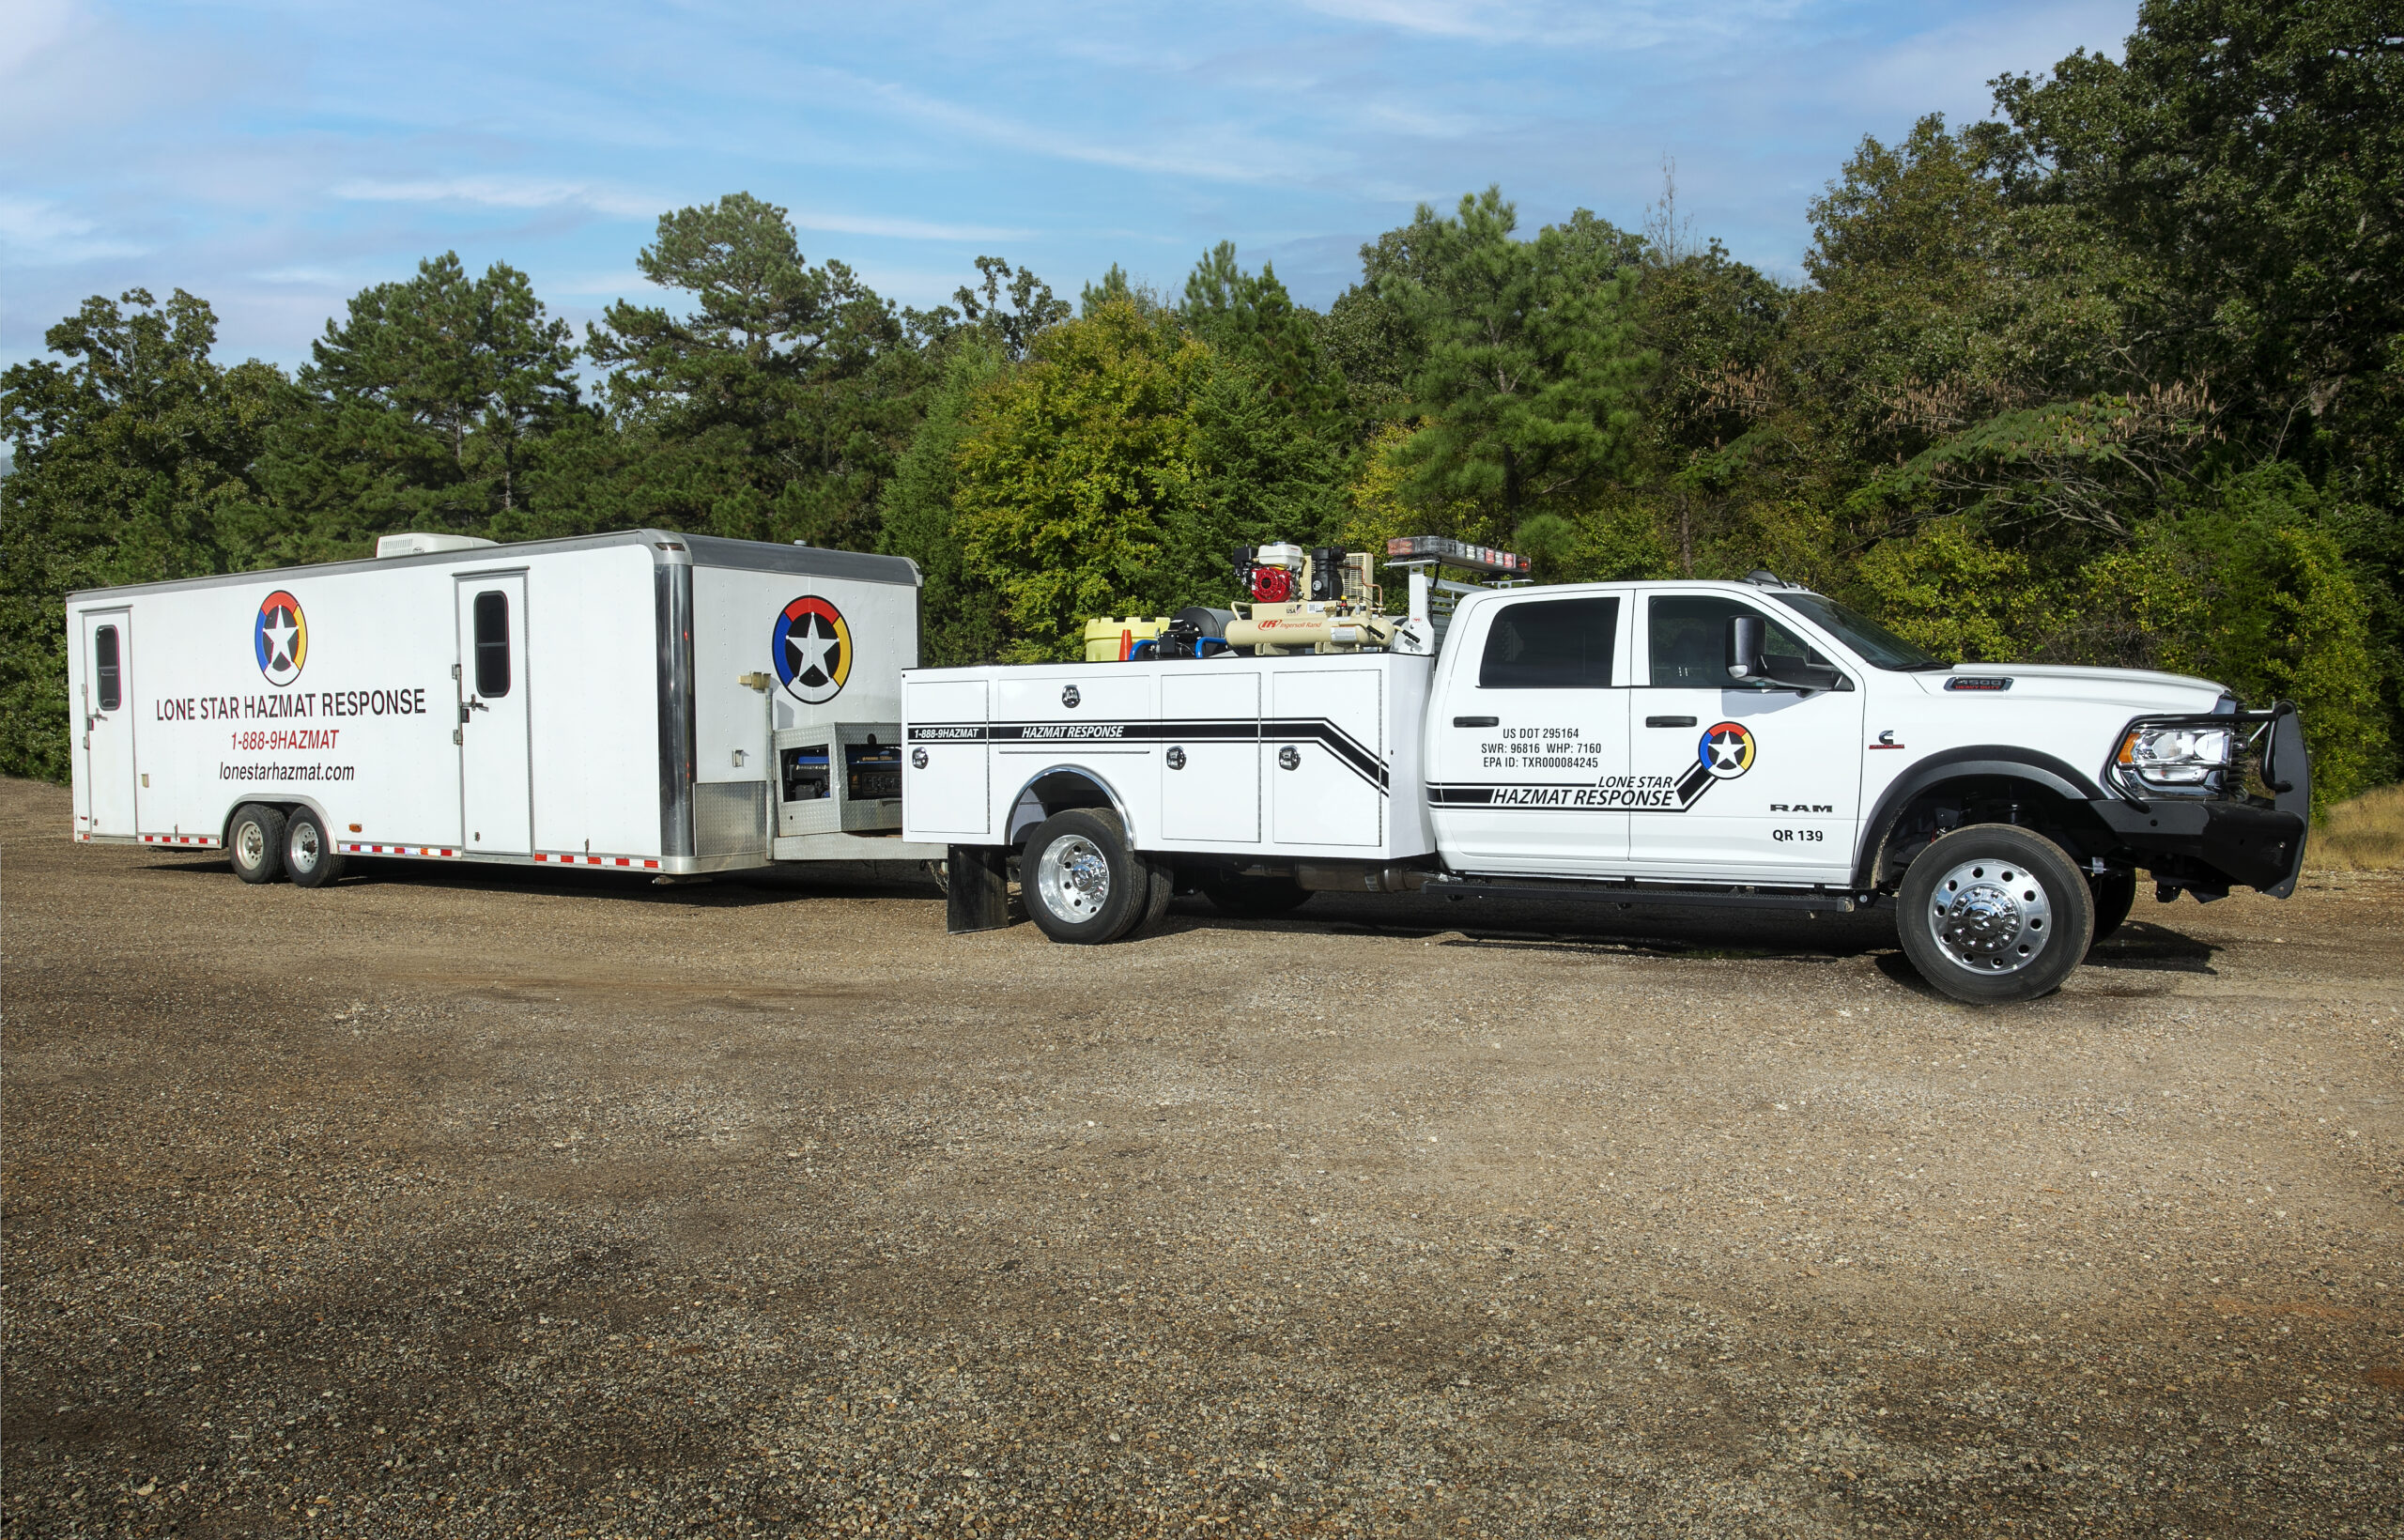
column 1251, row 897
column 1082, row 882
column 311, row 858
column 1995, row 913
column 254, row 841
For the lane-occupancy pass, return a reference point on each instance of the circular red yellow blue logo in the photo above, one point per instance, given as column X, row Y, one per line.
column 812, row 649
column 1727, row 749
column 280, row 637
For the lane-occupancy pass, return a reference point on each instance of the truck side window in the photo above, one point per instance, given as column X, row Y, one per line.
column 492, row 645
column 1689, row 641
column 107, row 673
column 1552, row 645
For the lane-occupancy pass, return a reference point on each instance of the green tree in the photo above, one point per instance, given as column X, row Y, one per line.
column 425, row 408
column 776, row 406
column 960, row 616
column 1528, row 383
column 1082, row 487
column 132, row 462
column 1250, row 318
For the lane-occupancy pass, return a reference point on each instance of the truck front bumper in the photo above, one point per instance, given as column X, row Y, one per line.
column 2208, row 844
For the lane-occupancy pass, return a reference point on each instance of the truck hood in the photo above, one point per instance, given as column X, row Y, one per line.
column 2139, row 689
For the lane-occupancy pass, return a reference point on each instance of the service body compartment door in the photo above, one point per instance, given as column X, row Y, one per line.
column 1211, row 767
column 1760, row 783
column 946, row 780
column 1530, row 770
column 496, row 782
column 106, row 746
column 1324, row 742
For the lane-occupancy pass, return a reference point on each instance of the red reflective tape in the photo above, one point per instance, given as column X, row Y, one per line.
column 651, row 863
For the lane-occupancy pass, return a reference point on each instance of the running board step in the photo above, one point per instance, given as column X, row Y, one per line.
column 1633, row 894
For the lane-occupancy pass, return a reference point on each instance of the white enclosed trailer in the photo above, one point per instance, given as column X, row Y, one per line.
column 655, row 702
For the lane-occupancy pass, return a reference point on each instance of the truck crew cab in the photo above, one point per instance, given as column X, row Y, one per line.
column 1751, row 745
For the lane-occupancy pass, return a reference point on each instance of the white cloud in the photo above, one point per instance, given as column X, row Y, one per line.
column 40, row 233
column 903, row 229
column 500, row 192
column 32, row 27
column 1235, row 159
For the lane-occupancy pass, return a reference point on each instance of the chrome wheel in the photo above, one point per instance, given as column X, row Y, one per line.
column 1990, row 917
column 1072, row 877
column 250, row 843
column 307, row 849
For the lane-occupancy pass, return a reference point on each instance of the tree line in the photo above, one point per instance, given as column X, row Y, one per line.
column 2111, row 376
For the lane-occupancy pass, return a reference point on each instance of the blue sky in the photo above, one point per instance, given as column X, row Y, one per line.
column 275, row 156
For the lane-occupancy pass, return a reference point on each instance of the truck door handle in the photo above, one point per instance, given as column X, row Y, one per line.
column 1668, row 721
column 1477, row 721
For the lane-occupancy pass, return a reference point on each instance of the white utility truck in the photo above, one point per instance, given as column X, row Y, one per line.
column 1751, row 744
column 658, row 702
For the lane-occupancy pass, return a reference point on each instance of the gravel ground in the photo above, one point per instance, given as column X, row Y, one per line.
column 485, row 1202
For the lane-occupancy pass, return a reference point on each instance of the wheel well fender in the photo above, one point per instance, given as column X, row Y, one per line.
column 288, row 805
column 1057, row 788
column 1983, row 763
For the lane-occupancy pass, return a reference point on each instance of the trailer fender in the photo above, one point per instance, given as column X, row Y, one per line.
column 284, row 801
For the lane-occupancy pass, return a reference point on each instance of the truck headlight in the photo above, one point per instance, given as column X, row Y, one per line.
column 2177, row 756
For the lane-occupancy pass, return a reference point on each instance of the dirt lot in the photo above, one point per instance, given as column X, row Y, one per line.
column 493, row 1203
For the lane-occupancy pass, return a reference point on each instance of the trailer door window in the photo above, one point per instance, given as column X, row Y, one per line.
column 1552, row 645
column 492, row 645
column 108, row 672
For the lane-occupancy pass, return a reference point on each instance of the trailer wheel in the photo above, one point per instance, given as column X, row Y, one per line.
column 256, row 841
column 310, row 854
column 1994, row 914
column 2114, row 892
column 1081, row 882
column 1251, row 897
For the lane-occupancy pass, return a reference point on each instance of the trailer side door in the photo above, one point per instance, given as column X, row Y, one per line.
column 107, row 740
column 495, row 779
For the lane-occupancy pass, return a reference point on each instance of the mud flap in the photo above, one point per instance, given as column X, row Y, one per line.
column 2287, row 769
column 980, row 895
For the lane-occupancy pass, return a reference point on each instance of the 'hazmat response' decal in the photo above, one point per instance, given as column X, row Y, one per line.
column 280, row 637
column 812, row 650
column 1725, row 751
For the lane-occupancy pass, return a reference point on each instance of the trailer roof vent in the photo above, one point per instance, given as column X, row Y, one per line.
column 425, row 544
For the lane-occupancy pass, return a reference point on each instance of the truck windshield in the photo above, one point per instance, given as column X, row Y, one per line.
column 1877, row 646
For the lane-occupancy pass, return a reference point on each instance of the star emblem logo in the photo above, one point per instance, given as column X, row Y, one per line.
column 811, row 647
column 280, row 638
column 1727, row 750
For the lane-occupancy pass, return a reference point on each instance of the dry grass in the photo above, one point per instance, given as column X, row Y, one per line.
column 2364, row 835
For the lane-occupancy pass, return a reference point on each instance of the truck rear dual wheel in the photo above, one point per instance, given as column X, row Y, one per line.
column 1994, row 913
column 1084, row 883
column 255, row 840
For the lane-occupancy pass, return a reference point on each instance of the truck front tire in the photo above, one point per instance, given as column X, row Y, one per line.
column 311, row 858
column 255, row 840
column 1082, row 882
column 1993, row 914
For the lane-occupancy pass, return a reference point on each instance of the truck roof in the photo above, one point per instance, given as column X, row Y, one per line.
column 674, row 546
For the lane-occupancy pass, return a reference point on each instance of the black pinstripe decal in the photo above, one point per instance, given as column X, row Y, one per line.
column 1349, row 751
